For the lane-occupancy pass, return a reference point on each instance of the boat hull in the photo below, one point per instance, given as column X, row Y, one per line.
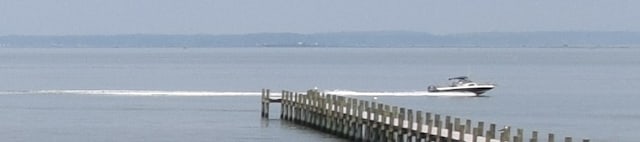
column 477, row 90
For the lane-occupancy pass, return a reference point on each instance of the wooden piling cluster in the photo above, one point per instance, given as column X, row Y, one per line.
column 360, row 120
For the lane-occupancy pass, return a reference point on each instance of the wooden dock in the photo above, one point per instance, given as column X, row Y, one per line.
column 360, row 120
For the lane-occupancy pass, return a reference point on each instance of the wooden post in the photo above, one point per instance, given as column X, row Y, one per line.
column 328, row 112
column 354, row 118
column 520, row 135
column 488, row 138
column 474, row 134
column 456, row 125
column 347, row 119
column 419, row 129
column 310, row 107
column 534, row 136
column 283, row 105
column 381, row 122
column 266, row 111
column 384, row 128
column 341, row 115
column 506, row 134
column 336, row 115
column 296, row 107
column 379, row 119
column 480, row 128
column 492, row 130
column 321, row 110
column 401, row 118
column 461, row 133
column 449, row 131
column 411, row 122
column 359, row 127
column 311, row 98
column 303, row 108
column 318, row 109
column 438, row 125
column 468, row 126
column 391, row 127
column 262, row 103
column 551, row 138
column 375, row 126
column 366, row 133
column 430, row 124
column 585, row 140
column 291, row 103
column 447, row 121
column 491, row 134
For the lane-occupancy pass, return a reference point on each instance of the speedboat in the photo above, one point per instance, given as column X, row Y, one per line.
column 463, row 84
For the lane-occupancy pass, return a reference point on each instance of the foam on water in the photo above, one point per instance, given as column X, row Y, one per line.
column 411, row 93
column 225, row 93
column 141, row 92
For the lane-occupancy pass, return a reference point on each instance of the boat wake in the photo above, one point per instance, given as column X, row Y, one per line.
column 134, row 93
column 224, row 93
column 412, row 93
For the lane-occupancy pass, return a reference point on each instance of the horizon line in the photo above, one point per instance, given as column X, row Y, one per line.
column 320, row 33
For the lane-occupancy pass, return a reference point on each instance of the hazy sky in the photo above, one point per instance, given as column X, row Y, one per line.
column 77, row 17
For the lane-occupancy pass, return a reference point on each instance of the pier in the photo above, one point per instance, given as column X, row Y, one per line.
column 360, row 120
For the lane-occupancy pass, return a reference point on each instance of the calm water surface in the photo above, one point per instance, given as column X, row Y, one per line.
column 568, row 91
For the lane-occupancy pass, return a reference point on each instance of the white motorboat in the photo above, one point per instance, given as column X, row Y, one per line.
column 463, row 84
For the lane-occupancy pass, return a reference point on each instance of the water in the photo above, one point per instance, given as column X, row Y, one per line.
column 568, row 91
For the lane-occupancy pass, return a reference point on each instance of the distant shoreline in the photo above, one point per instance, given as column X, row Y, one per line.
column 388, row 39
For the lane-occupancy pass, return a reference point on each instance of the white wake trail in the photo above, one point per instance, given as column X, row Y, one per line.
column 147, row 93
column 412, row 93
column 229, row 93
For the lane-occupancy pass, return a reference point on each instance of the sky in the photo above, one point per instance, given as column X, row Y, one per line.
column 109, row 17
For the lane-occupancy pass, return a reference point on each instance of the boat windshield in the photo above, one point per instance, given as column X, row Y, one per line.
column 460, row 80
